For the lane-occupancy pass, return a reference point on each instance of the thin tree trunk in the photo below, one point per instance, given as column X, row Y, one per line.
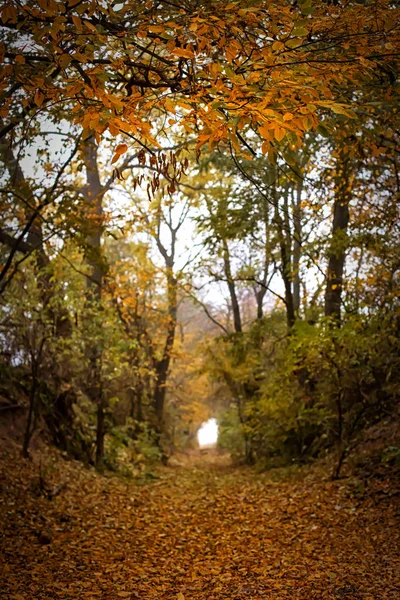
column 297, row 247
column 100, row 430
column 32, row 399
column 286, row 260
column 237, row 321
column 339, row 242
column 261, row 292
column 286, row 272
column 29, row 429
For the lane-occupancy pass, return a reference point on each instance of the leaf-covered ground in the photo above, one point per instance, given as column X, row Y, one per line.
column 202, row 530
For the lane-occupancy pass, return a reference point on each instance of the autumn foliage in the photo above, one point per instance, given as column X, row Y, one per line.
column 199, row 218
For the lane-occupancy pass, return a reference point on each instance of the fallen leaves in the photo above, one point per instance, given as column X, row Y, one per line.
column 201, row 531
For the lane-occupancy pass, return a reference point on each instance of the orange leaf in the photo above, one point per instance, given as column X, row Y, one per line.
column 156, row 28
column 266, row 132
column 184, row 53
column 90, row 26
column 77, row 22
column 38, row 98
column 121, row 149
column 9, row 14
column 64, row 60
column 265, row 148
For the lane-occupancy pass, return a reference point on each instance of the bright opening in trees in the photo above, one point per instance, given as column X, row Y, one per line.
column 208, row 433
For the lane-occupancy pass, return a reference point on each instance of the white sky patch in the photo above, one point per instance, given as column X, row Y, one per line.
column 208, row 433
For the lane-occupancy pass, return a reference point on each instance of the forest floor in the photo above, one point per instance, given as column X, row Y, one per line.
column 198, row 529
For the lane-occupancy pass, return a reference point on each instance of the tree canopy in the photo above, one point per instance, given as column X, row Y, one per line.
column 200, row 218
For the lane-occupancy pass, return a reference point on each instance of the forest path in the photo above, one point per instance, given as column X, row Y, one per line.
column 205, row 532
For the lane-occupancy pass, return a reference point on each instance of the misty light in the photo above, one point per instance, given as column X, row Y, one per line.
column 208, row 433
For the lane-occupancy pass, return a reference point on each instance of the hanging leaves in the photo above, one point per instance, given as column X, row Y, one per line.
column 119, row 150
column 227, row 77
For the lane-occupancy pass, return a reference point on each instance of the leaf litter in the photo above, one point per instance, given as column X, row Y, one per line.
column 200, row 530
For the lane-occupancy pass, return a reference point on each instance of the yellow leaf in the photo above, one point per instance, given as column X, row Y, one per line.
column 300, row 32
column 276, row 46
column 279, row 133
column 180, row 596
column 169, row 105
column 307, row 123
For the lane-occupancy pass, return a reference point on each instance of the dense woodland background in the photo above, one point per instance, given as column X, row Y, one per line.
column 199, row 217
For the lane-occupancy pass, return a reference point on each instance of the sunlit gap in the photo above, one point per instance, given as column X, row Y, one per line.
column 208, row 433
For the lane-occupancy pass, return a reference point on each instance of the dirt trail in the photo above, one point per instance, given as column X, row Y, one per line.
column 202, row 530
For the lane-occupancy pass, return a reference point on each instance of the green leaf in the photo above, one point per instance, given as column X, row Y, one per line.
column 293, row 43
column 300, row 23
column 322, row 130
column 301, row 32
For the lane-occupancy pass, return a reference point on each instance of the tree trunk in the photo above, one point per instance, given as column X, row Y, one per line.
column 297, row 247
column 261, row 292
column 94, row 193
column 237, row 321
column 162, row 366
column 283, row 235
column 29, row 429
column 286, row 272
column 339, row 242
column 100, row 431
